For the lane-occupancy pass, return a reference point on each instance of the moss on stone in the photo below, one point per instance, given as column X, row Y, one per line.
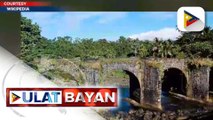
column 157, row 64
column 197, row 63
column 117, row 60
column 154, row 64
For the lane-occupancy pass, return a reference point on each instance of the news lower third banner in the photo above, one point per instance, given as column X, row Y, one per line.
column 65, row 97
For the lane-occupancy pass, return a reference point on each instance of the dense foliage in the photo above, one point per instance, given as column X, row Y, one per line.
column 193, row 45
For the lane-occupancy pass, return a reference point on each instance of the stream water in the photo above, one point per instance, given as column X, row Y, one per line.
column 168, row 103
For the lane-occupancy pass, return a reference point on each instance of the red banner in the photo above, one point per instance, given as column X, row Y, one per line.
column 23, row 4
column 73, row 97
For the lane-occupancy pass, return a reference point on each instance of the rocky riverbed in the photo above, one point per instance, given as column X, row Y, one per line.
column 172, row 109
column 142, row 114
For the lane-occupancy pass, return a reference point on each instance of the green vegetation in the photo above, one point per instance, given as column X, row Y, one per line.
column 196, row 63
column 117, row 74
column 154, row 64
column 115, row 77
column 189, row 45
column 58, row 73
column 157, row 64
column 197, row 44
column 117, row 60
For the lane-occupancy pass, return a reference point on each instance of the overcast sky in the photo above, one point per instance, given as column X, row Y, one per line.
column 109, row 25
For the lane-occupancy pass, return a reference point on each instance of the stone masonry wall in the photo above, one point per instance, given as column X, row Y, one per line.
column 151, row 90
column 92, row 77
column 199, row 80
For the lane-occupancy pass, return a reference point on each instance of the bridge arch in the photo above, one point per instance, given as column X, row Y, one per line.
column 134, row 86
column 211, row 84
column 64, row 68
column 174, row 63
column 211, row 79
column 132, row 71
column 174, row 80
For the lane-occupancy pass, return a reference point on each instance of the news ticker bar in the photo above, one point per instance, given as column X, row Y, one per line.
column 21, row 6
column 62, row 97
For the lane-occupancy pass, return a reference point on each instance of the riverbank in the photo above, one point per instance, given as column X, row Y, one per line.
column 142, row 114
column 173, row 109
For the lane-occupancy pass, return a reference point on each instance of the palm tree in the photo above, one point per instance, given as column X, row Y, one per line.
column 155, row 48
column 189, row 40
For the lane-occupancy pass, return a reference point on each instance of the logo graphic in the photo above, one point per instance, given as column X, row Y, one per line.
column 15, row 97
column 64, row 97
column 191, row 19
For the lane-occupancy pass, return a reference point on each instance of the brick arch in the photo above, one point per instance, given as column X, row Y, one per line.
column 65, row 66
column 132, row 71
column 197, row 80
column 178, row 68
column 174, row 63
column 134, row 86
column 152, row 79
column 174, row 77
column 177, row 64
column 120, row 66
column 211, row 79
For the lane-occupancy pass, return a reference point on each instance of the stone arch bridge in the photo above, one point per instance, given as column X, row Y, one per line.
column 149, row 77
column 154, row 76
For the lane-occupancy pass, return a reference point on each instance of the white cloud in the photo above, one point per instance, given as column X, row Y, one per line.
column 165, row 33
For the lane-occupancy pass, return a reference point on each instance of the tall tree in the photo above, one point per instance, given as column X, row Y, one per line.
column 30, row 40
